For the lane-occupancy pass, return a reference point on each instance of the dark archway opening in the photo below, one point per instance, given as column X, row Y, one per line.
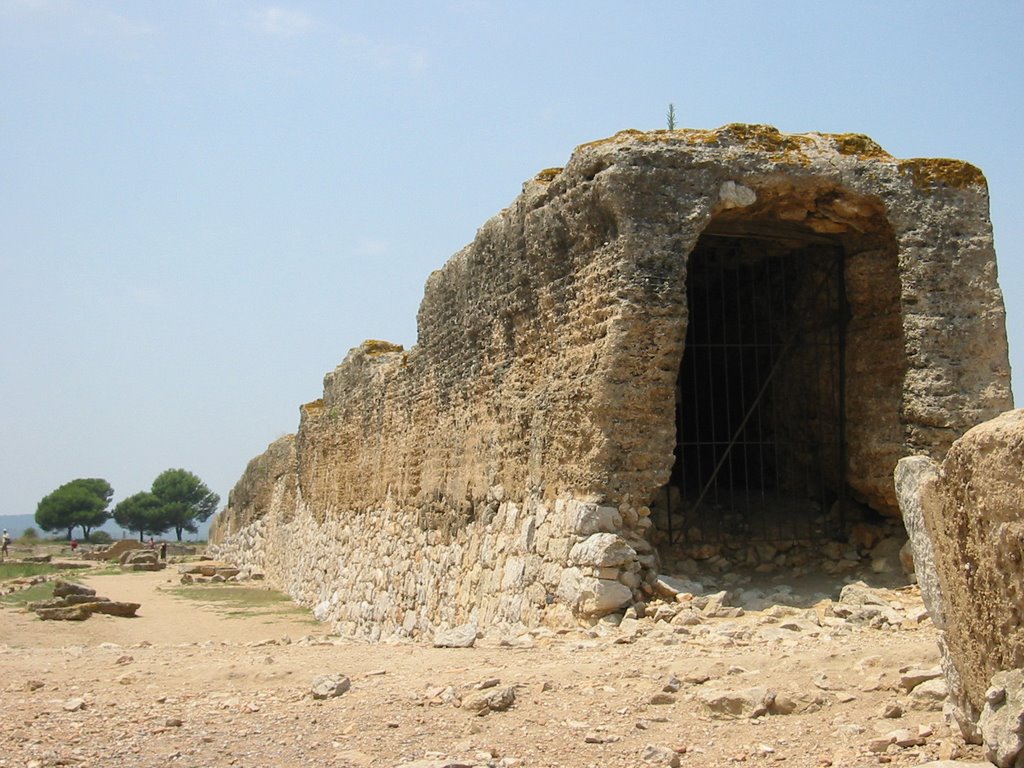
column 760, row 398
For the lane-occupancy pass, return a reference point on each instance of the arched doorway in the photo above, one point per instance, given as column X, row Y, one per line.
column 760, row 397
column 789, row 391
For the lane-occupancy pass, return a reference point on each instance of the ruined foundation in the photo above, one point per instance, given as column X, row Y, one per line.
column 682, row 338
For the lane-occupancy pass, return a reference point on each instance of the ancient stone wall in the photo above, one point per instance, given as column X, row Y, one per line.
column 467, row 478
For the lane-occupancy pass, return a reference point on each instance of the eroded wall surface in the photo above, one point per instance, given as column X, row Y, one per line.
column 499, row 471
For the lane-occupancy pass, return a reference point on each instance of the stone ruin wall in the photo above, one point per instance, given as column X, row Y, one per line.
column 499, row 472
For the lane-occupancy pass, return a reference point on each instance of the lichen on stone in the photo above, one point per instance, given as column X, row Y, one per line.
column 374, row 347
column 857, row 145
column 766, row 138
column 548, row 174
column 314, row 408
column 939, row 171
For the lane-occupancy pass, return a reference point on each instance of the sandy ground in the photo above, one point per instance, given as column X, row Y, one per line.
column 186, row 684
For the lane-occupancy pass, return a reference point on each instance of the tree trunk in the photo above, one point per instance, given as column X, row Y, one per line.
column 178, row 531
column 70, row 530
column 140, row 536
column 85, row 532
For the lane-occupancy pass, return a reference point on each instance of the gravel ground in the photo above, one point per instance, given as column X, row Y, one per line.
column 789, row 681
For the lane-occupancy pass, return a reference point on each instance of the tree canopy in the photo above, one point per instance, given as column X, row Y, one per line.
column 142, row 512
column 185, row 500
column 82, row 502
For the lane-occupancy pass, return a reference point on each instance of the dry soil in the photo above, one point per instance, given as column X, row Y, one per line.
column 192, row 684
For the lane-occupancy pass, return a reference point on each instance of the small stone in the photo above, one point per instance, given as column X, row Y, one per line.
column 880, row 744
column 892, row 710
column 751, row 702
column 600, row 738
column 656, row 754
column 74, row 705
column 904, row 738
column 329, row 686
column 913, row 677
column 492, row 701
column 172, row 722
column 930, row 695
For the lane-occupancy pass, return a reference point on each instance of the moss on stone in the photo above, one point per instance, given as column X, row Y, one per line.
column 314, row 408
column 547, row 175
column 940, row 171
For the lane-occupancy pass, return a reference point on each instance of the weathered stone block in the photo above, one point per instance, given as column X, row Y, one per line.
column 965, row 517
column 591, row 597
column 602, row 550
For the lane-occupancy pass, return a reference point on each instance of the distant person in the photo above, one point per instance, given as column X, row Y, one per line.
column 163, row 550
column 6, row 544
column 74, row 545
column 152, row 544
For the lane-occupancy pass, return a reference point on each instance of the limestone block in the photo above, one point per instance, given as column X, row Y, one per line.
column 602, row 550
column 514, row 570
column 734, row 195
column 591, row 597
column 459, row 637
column 527, row 534
column 734, row 704
column 670, row 586
column 1002, row 719
column 915, row 477
column 977, row 531
column 587, row 518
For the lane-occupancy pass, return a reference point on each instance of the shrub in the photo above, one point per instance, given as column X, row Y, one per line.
column 30, row 534
column 100, row 537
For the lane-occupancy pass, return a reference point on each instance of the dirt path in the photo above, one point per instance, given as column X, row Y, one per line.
column 187, row 685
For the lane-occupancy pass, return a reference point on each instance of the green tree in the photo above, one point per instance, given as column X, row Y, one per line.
column 142, row 512
column 185, row 499
column 670, row 117
column 82, row 502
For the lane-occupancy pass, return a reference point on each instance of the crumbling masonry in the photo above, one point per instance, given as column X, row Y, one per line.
column 843, row 303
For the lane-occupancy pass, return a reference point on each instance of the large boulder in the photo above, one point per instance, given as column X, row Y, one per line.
column 965, row 517
column 113, row 608
column 63, row 588
column 132, row 557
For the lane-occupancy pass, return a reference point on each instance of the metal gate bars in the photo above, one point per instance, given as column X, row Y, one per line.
column 760, row 399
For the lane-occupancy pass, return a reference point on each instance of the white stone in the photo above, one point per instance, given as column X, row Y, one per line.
column 587, row 596
column 459, row 637
column 587, row 518
column 329, row 686
column 735, row 195
column 602, row 550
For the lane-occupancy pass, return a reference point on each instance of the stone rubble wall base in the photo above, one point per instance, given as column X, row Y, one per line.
column 377, row 574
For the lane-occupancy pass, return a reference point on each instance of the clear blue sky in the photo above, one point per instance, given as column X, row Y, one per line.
column 205, row 203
